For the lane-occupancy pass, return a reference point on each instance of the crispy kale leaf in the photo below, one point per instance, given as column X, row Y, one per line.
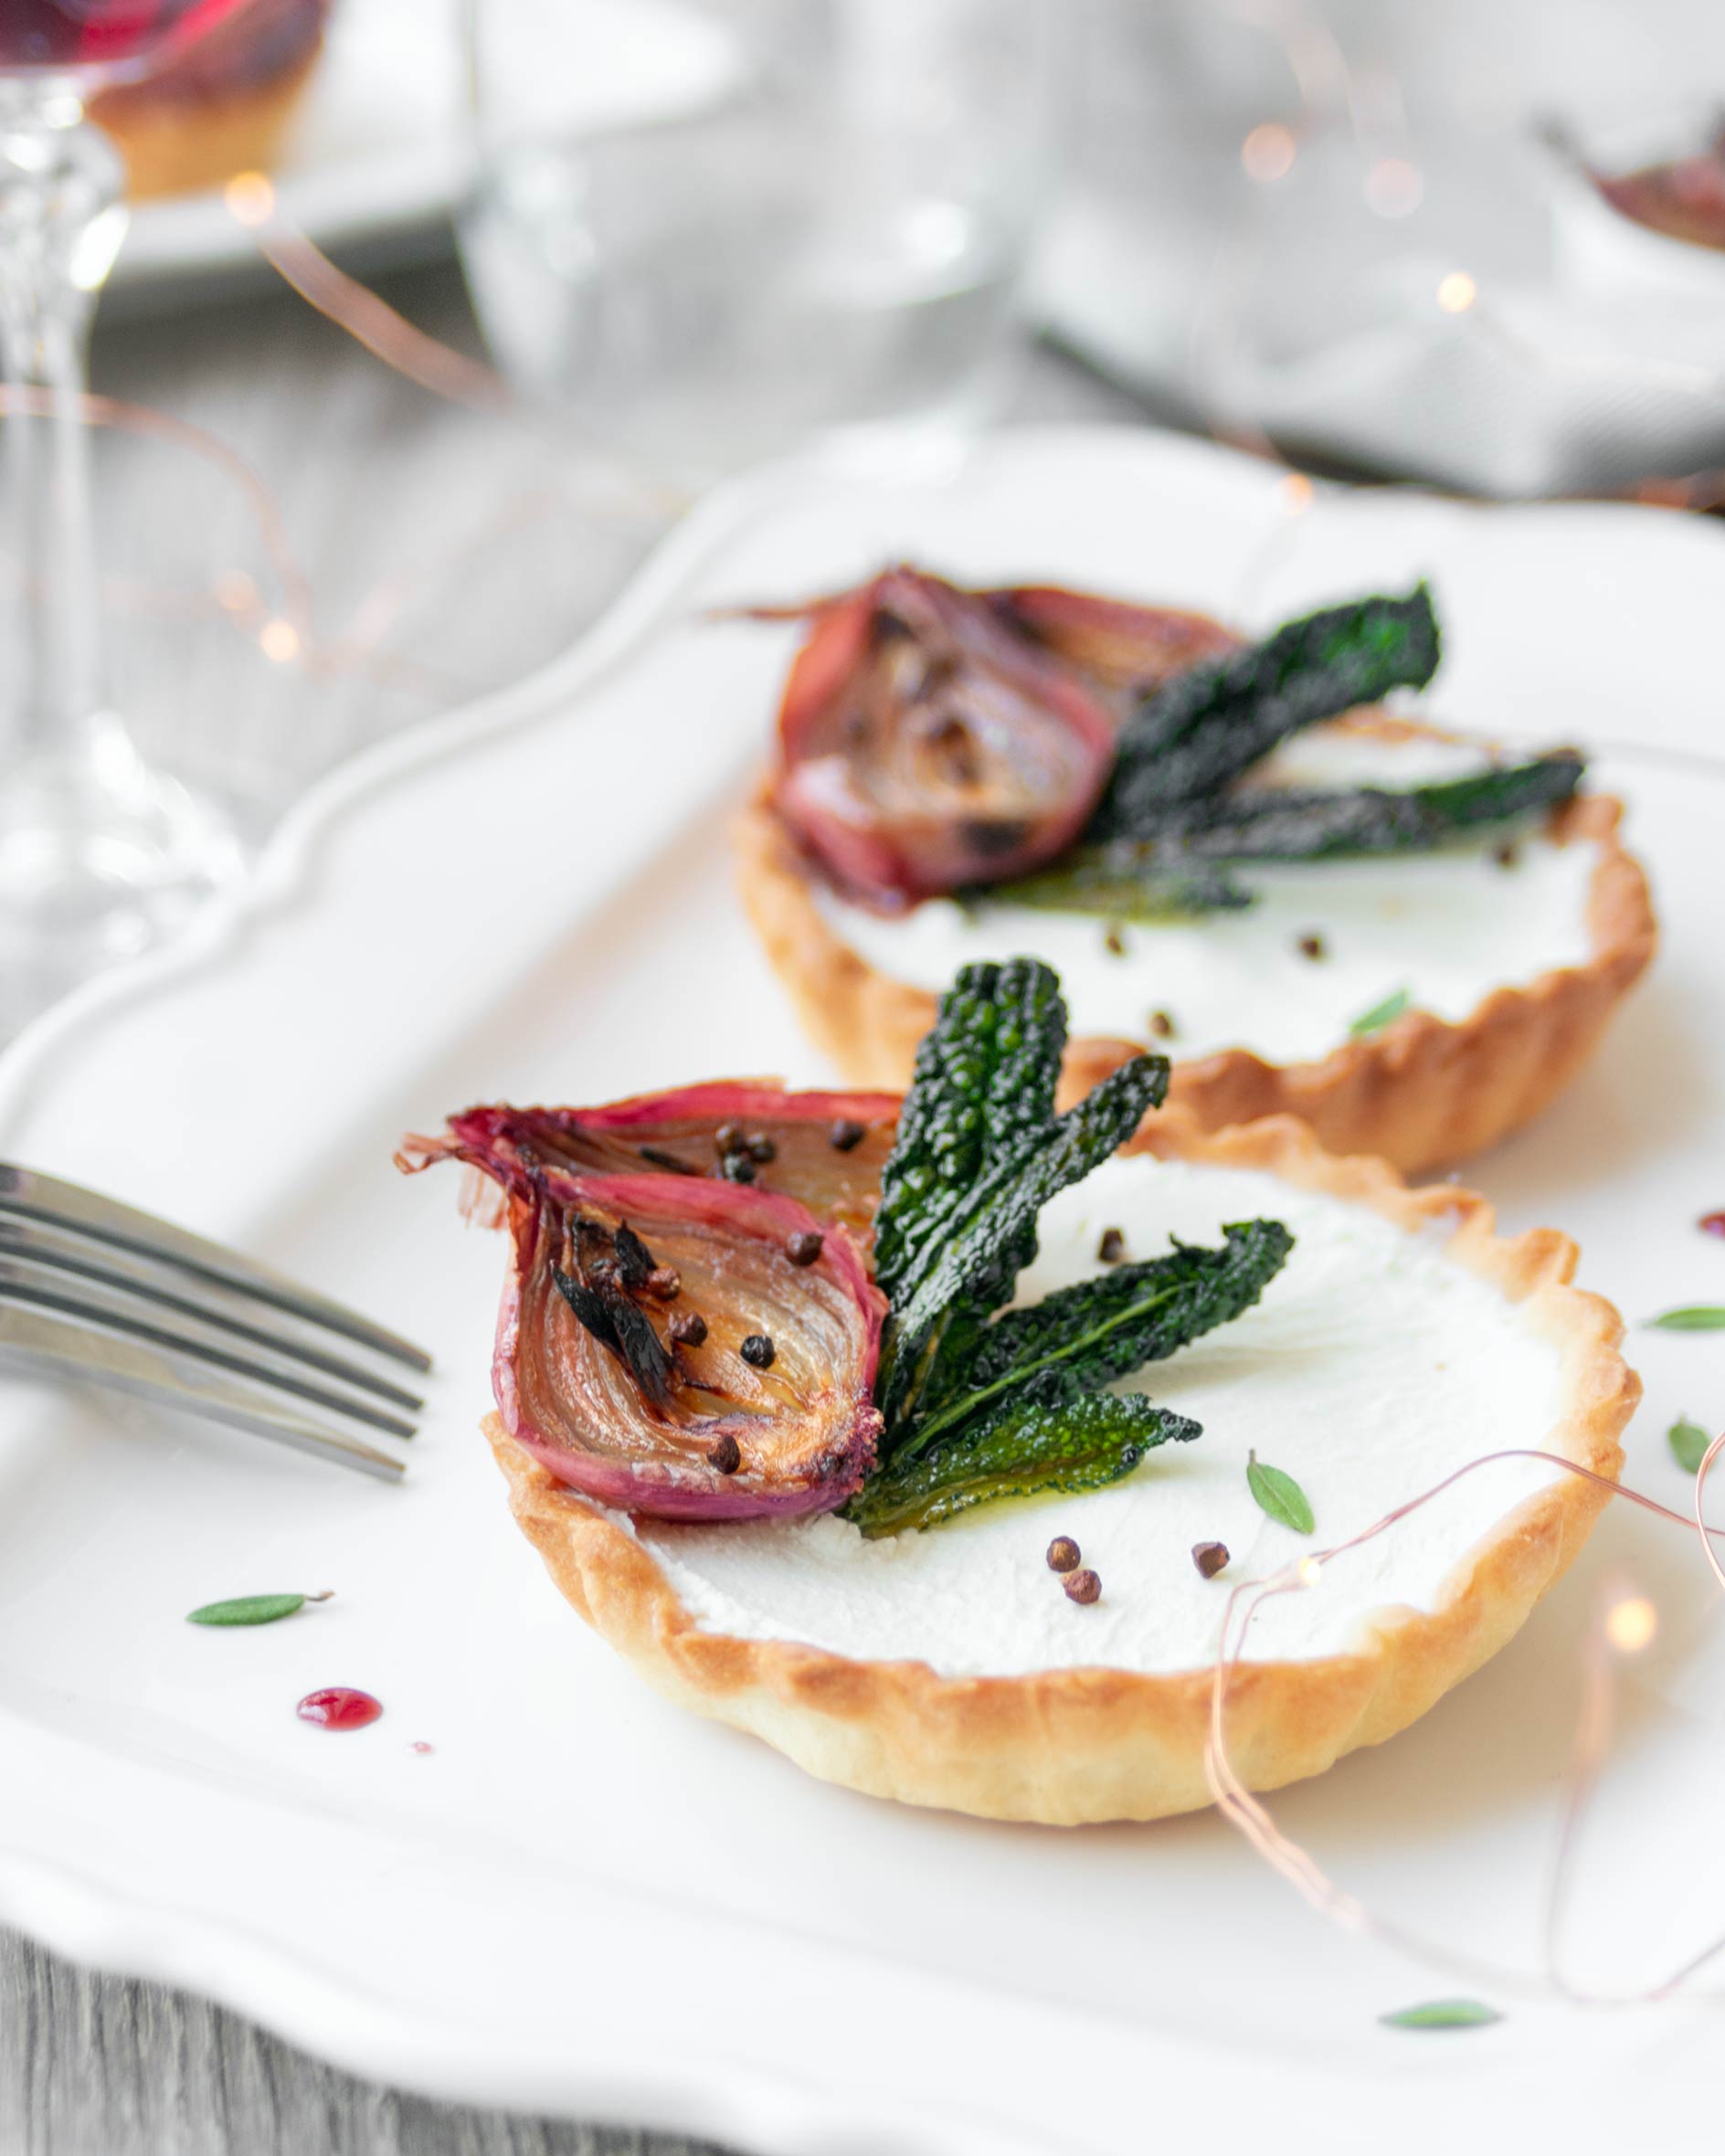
column 983, row 1092
column 1218, row 719
column 966, row 1269
column 1017, row 1449
column 1082, row 1337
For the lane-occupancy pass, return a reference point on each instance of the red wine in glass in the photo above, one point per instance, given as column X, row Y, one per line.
column 102, row 38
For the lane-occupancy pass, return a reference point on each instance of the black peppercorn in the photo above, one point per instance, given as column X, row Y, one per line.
column 688, row 1328
column 1162, row 1025
column 762, row 1148
column 805, row 1246
column 726, row 1455
column 1311, row 946
column 1081, row 1586
column 1063, row 1554
column 758, row 1351
column 1112, row 1248
column 846, row 1135
column 1210, row 1557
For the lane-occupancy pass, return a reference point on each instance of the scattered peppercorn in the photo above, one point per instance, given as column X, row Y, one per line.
column 1081, row 1586
column 1210, row 1557
column 1114, row 942
column 1112, row 1248
column 737, row 1168
column 665, row 1282
column 762, row 1148
column 1162, row 1025
column 726, row 1455
column 758, row 1351
column 805, row 1246
column 1507, row 856
column 688, row 1328
column 1063, row 1554
column 846, row 1135
column 728, row 1138
column 1313, row 947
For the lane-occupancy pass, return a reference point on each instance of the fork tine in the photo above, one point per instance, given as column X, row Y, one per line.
column 86, row 1212
column 14, row 1289
column 37, row 1242
column 36, row 1342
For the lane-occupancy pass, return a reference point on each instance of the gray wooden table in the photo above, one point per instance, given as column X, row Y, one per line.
column 440, row 561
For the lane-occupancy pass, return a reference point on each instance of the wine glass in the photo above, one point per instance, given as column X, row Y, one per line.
column 99, row 856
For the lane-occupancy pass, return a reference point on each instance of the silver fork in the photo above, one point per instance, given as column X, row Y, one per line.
column 94, row 1290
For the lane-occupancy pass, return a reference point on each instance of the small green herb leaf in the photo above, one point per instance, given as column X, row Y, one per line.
column 1380, row 1015
column 1280, row 1495
column 1443, row 2014
column 1689, row 1443
column 252, row 1609
column 1696, row 1317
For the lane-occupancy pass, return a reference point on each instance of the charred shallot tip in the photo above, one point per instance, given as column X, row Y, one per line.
column 635, row 1264
column 762, row 1148
column 806, row 1246
column 1081, row 1586
column 660, row 1158
column 1112, row 1248
column 726, row 1455
column 757, row 1351
column 1210, row 1557
column 688, row 1328
column 665, row 1282
column 846, row 1134
column 1063, row 1554
column 1311, row 946
column 1162, row 1025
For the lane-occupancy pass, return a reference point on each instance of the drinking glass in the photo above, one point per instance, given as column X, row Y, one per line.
column 99, row 854
column 707, row 229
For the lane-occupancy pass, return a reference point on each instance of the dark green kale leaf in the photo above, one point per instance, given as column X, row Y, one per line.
column 1276, row 823
column 1017, row 1449
column 1216, row 720
column 963, row 1271
column 982, row 1092
column 1082, row 1337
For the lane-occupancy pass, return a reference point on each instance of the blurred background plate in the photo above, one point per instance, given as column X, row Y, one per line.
column 380, row 153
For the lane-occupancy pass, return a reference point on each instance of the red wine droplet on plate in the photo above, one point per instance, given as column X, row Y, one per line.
column 339, row 1706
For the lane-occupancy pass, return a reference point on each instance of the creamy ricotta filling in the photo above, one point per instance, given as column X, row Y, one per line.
column 1448, row 927
column 1373, row 1366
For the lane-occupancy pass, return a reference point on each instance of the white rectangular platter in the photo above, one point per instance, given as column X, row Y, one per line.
column 582, row 1900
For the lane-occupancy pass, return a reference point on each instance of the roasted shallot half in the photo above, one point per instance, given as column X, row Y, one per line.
column 678, row 1345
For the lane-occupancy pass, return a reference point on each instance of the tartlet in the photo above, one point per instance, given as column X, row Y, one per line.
column 1421, row 1091
column 1081, row 1740
column 220, row 107
column 964, row 773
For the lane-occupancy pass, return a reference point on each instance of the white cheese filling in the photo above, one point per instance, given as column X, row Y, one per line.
column 1447, row 927
column 1373, row 1366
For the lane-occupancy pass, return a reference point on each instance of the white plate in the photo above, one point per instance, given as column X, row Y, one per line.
column 583, row 1899
column 378, row 154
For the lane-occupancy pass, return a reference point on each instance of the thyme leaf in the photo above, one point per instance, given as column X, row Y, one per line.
column 1279, row 1496
column 1694, row 1317
column 1381, row 1015
column 1689, row 1443
column 1443, row 2014
column 251, row 1609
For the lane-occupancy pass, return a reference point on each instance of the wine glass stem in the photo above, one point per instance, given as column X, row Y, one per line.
column 61, row 219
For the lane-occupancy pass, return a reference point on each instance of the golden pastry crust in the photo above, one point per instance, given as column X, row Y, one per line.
column 1421, row 1092
column 1066, row 1747
column 183, row 147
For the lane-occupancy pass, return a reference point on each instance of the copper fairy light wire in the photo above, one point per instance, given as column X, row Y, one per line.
column 1624, row 1626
